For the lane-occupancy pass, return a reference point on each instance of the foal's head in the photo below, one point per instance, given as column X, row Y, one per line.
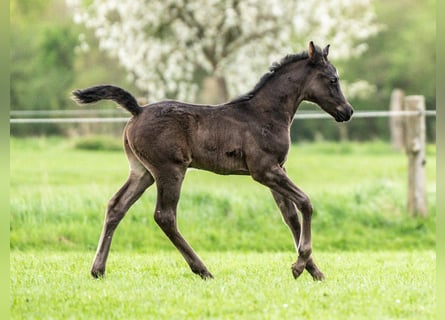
column 323, row 87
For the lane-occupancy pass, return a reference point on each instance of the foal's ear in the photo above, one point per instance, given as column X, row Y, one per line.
column 326, row 51
column 311, row 50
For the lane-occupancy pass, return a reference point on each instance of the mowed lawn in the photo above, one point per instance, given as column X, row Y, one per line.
column 359, row 285
column 379, row 262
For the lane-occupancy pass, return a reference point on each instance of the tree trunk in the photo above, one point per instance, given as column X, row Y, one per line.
column 214, row 90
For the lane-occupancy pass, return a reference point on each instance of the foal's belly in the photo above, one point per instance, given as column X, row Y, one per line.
column 221, row 161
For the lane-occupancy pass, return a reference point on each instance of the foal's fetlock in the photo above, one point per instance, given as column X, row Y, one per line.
column 206, row 275
column 317, row 275
column 304, row 253
column 203, row 273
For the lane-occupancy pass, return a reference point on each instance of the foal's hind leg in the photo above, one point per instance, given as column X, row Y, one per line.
column 169, row 185
column 290, row 217
column 138, row 181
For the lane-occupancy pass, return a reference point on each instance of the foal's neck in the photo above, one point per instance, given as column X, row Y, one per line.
column 282, row 94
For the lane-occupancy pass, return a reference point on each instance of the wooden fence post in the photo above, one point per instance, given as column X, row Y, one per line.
column 396, row 122
column 415, row 149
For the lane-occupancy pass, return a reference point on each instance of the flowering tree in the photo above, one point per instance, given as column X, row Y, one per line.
column 166, row 45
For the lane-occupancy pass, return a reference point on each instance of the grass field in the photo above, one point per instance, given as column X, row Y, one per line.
column 379, row 262
column 384, row 285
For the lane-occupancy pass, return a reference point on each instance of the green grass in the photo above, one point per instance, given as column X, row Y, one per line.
column 59, row 195
column 379, row 261
column 383, row 285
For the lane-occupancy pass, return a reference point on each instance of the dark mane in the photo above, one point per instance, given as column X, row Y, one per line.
column 290, row 58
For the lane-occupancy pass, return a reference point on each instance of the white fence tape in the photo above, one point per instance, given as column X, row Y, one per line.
column 299, row 115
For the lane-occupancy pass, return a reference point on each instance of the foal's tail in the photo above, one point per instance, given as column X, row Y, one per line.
column 108, row 92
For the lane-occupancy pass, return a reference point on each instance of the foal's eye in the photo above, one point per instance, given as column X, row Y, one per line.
column 333, row 80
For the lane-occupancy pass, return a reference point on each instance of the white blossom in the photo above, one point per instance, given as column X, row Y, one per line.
column 164, row 44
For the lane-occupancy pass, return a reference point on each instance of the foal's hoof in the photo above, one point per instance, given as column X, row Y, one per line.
column 297, row 269
column 205, row 275
column 98, row 274
column 317, row 275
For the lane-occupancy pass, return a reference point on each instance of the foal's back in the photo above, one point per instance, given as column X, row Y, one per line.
column 207, row 137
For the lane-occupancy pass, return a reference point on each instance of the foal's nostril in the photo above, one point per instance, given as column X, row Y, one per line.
column 343, row 112
column 349, row 111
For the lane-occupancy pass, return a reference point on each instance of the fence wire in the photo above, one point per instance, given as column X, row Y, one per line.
column 19, row 117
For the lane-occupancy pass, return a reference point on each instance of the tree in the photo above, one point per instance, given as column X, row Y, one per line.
column 42, row 56
column 42, row 61
column 168, row 47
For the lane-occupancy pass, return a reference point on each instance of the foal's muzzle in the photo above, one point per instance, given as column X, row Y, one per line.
column 343, row 113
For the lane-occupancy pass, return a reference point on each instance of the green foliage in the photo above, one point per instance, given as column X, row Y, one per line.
column 46, row 64
column 57, row 49
column 410, row 56
column 24, row 10
column 42, row 64
column 359, row 285
column 401, row 56
column 42, row 61
column 358, row 193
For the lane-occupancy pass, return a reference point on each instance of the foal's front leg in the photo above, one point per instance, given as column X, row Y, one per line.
column 290, row 217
